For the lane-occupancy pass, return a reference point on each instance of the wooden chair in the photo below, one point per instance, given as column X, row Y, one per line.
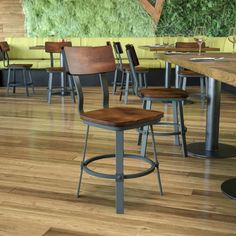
column 126, row 79
column 183, row 74
column 52, row 48
column 149, row 95
column 99, row 60
column 13, row 68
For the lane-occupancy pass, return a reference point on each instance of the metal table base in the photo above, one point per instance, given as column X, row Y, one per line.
column 229, row 188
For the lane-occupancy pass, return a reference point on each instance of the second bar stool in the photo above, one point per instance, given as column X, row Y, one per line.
column 52, row 48
column 149, row 95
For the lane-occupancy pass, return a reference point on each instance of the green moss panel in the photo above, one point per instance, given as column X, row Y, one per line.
column 126, row 18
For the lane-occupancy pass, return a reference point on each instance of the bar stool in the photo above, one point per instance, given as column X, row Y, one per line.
column 12, row 68
column 99, row 60
column 126, row 79
column 149, row 95
column 183, row 74
column 56, row 47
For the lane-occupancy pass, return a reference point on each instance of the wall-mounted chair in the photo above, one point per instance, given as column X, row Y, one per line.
column 126, row 79
column 13, row 68
column 183, row 74
column 52, row 48
column 149, row 95
column 98, row 61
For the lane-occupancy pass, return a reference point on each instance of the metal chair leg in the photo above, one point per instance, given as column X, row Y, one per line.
column 122, row 84
column 25, row 82
column 183, row 129
column 72, row 91
column 141, row 128
column 31, row 80
column 14, row 80
column 176, row 121
column 119, row 172
column 8, row 80
column 62, row 84
column 50, row 87
column 115, row 81
column 155, row 160
column 82, row 162
column 145, row 132
column 126, row 87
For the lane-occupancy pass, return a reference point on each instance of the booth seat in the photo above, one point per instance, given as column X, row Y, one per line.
column 20, row 52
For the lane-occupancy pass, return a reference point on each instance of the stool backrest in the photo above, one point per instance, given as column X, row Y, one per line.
column 188, row 45
column 118, row 51
column 4, row 48
column 88, row 61
column 133, row 62
column 55, row 47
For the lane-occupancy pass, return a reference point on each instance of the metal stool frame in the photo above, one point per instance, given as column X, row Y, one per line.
column 119, row 176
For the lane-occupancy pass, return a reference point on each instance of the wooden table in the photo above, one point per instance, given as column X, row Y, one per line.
column 217, row 71
column 160, row 48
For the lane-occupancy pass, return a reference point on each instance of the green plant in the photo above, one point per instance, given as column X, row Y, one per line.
column 182, row 16
column 124, row 18
column 86, row 18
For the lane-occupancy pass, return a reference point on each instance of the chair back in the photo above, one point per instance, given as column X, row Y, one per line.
column 133, row 61
column 188, row 45
column 55, row 47
column 88, row 61
column 4, row 48
column 118, row 51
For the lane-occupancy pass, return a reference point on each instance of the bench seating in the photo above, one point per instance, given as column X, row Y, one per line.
column 20, row 52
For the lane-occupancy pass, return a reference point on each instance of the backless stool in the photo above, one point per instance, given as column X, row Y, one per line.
column 52, row 48
column 99, row 60
column 13, row 68
column 149, row 95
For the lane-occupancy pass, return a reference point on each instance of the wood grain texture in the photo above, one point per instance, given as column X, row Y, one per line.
column 40, row 154
column 11, row 19
column 223, row 70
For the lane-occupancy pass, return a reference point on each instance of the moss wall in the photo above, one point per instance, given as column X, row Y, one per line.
column 123, row 18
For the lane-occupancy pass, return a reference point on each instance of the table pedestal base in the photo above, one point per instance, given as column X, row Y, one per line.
column 198, row 150
column 229, row 188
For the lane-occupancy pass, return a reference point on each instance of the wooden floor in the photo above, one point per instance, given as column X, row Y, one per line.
column 40, row 154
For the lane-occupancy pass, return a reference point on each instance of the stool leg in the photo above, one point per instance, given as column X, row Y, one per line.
column 115, row 81
column 183, row 129
column 49, row 88
column 145, row 80
column 8, row 80
column 25, row 82
column 82, row 162
column 122, row 84
column 140, row 80
column 14, row 80
column 119, row 172
column 145, row 132
column 176, row 121
column 126, row 87
column 62, row 84
column 141, row 129
column 72, row 92
column 31, row 81
column 155, row 160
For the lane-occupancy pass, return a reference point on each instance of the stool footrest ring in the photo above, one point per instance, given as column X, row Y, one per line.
column 126, row 176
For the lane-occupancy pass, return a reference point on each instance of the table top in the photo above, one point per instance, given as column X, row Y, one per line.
column 161, row 48
column 223, row 69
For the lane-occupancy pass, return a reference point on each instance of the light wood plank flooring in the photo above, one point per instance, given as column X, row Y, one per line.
column 40, row 154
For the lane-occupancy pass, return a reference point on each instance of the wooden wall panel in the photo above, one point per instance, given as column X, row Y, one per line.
column 11, row 18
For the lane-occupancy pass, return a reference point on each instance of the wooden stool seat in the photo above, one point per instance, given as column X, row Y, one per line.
column 55, row 69
column 20, row 66
column 189, row 73
column 163, row 93
column 121, row 116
